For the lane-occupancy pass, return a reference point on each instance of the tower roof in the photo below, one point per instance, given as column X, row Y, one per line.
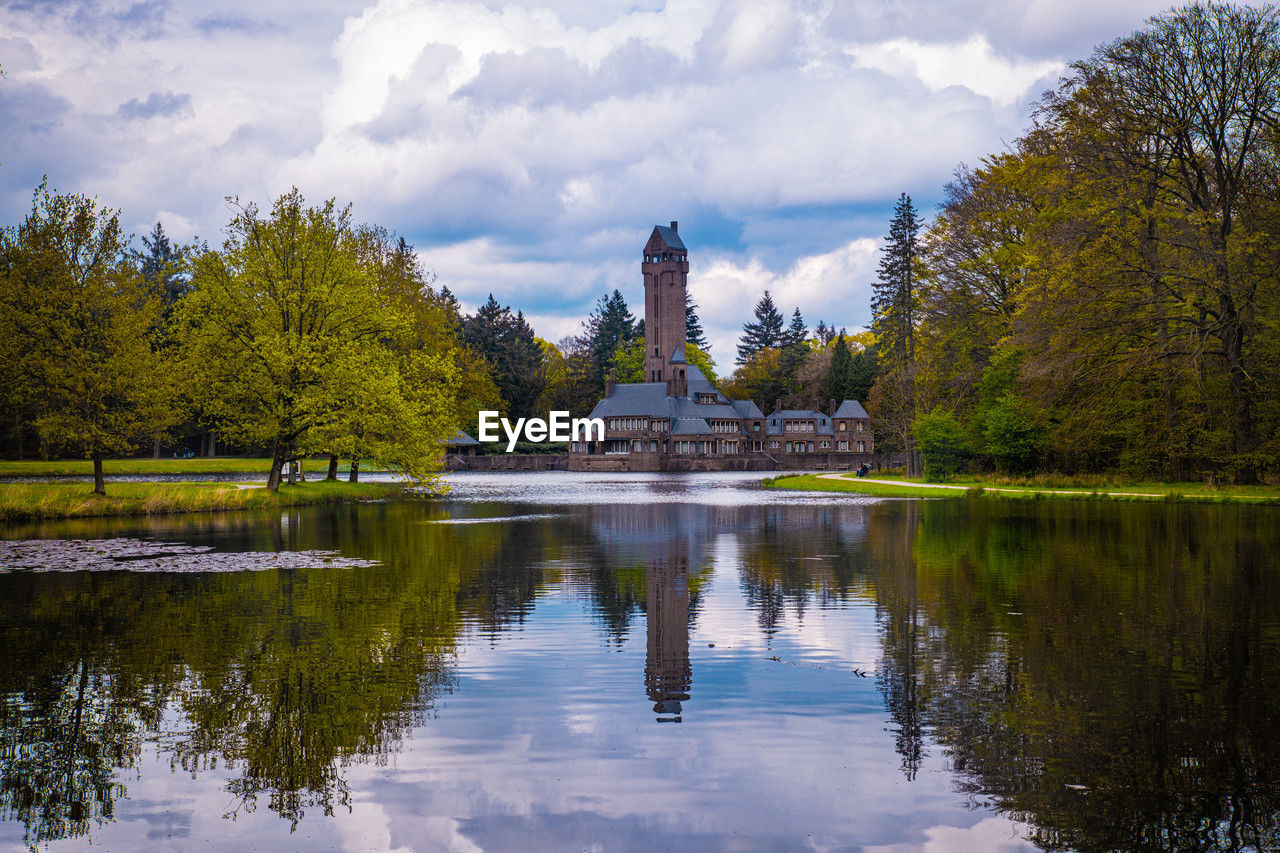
column 670, row 236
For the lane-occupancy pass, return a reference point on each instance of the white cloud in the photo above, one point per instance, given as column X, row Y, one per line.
column 527, row 148
column 833, row 286
column 971, row 63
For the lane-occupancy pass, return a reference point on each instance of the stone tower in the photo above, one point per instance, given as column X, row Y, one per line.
column 666, row 276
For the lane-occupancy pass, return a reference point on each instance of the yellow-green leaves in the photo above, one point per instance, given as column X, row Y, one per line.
column 80, row 325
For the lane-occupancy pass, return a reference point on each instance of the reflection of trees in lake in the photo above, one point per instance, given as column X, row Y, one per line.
column 281, row 677
column 798, row 556
column 1104, row 673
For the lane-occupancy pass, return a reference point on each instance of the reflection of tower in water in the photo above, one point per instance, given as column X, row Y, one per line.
column 667, row 674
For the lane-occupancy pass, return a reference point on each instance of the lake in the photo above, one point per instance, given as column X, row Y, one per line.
column 645, row 662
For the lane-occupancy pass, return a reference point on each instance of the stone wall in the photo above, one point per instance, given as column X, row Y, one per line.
column 508, row 462
column 732, row 462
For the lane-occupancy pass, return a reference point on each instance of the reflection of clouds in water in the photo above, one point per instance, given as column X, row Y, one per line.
column 489, row 520
column 996, row 834
column 725, row 488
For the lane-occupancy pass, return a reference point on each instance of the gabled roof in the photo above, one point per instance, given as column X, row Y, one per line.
column 690, row 426
column 635, row 399
column 698, row 384
column 677, row 357
column 671, row 237
column 460, row 440
column 850, row 409
column 747, row 409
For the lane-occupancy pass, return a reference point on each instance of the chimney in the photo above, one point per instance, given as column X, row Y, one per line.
column 777, row 405
column 675, row 227
column 833, row 406
column 608, row 382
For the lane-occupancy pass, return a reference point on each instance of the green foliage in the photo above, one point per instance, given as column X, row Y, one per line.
column 507, row 342
column 1013, row 435
column 942, row 443
column 693, row 331
column 79, row 328
column 765, row 333
column 851, row 375
column 628, row 361
column 297, row 338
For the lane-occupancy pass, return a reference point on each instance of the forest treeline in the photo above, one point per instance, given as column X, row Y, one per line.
column 1103, row 295
column 304, row 333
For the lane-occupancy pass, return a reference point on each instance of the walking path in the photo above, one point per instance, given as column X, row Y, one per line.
column 840, row 476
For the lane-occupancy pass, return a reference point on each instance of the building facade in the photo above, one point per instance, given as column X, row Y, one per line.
column 677, row 420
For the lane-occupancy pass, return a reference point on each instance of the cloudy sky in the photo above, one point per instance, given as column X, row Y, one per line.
column 527, row 148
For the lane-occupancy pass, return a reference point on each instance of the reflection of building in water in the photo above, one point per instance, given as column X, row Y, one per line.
column 667, row 674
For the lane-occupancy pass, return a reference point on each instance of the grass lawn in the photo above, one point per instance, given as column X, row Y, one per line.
column 1042, row 488
column 84, row 467
column 27, row 501
column 814, row 483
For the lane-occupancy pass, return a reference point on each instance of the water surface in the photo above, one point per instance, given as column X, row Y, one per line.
column 564, row 661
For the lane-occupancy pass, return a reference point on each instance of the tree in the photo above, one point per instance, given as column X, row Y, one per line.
column 895, row 298
column 400, row 416
column 161, row 264
column 80, row 325
column 609, row 327
column 284, row 327
column 693, row 331
column 1013, row 436
column 894, row 306
column 759, row 379
column 764, row 333
column 796, row 332
column 628, row 361
column 508, row 344
column 942, row 443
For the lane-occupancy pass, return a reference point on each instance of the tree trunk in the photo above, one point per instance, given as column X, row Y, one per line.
column 99, row 484
column 277, row 459
column 354, row 476
column 292, row 465
column 333, row 467
column 155, row 449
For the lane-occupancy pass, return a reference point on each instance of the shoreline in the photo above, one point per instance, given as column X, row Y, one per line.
column 841, row 482
column 24, row 502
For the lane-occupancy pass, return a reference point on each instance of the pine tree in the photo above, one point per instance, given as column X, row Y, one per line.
column 509, row 345
column 693, row 331
column 161, row 266
column 796, row 332
column 893, row 308
column 609, row 327
column 893, row 304
column 840, row 374
column 765, row 333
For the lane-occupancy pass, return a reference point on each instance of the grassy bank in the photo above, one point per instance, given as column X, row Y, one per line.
column 135, row 467
column 145, row 467
column 998, row 488
column 814, row 483
column 28, row 501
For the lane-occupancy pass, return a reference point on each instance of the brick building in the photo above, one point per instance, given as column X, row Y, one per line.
column 677, row 420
